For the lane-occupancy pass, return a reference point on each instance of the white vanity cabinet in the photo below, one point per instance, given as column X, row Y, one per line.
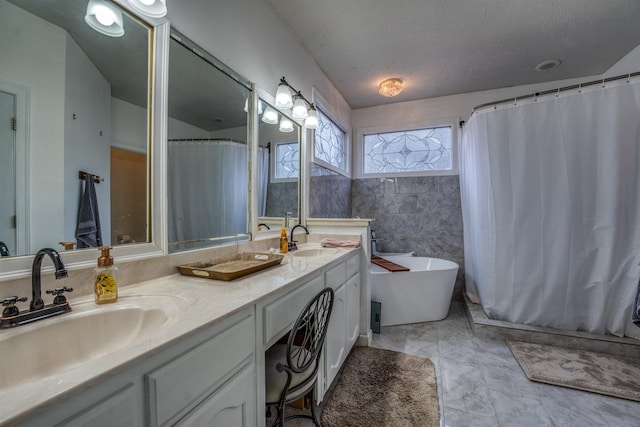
column 344, row 326
column 208, row 378
column 211, row 381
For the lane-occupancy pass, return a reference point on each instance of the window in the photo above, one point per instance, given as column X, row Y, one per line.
column 330, row 143
column 286, row 161
column 417, row 150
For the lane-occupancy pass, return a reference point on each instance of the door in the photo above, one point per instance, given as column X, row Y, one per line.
column 7, row 172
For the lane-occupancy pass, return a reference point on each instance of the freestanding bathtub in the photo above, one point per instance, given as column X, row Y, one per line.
column 420, row 295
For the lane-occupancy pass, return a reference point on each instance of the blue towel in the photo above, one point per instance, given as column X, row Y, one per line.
column 88, row 229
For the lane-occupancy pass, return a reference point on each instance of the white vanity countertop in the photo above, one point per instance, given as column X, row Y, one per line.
column 196, row 302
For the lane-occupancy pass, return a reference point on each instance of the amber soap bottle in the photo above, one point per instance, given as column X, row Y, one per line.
column 106, row 286
column 284, row 242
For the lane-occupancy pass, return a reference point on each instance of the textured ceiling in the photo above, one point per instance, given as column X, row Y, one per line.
column 445, row 47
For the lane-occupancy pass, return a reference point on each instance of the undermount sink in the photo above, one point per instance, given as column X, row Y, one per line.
column 89, row 332
column 316, row 252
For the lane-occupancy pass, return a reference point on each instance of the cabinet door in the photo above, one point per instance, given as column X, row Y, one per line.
column 336, row 340
column 353, row 310
column 234, row 404
column 119, row 409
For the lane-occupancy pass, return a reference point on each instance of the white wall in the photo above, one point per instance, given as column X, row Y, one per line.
column 249, row 37
column 128, row 126
column 630, row 63
column 87, row 139
column 46, row 114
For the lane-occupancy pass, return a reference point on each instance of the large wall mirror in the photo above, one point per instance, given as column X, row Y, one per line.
column 208, row 154
column 80, row 100
column 278, row 173
column 77, row 102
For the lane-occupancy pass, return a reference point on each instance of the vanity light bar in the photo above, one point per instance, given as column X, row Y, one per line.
column 302, row 108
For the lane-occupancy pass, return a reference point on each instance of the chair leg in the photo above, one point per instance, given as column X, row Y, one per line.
column 314, row 416
column 281, row 415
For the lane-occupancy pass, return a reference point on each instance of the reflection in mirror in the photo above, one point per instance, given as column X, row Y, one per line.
column 208, row 179
column 278, row 167
column 77, row 100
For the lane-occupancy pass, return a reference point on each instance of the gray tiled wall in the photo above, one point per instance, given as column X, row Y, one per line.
column 330, row 195
column 421, row 214
column 282, row 197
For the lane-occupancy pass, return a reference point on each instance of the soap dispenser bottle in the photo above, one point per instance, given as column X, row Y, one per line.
column 106, row 287
column 284, row 242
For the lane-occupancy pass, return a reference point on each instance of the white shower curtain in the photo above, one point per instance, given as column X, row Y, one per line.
column 207, row 187
column 551, row 206
column 263, row 180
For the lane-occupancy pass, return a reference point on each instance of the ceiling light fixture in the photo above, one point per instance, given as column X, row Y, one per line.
column 289, row 97
column 390, row 87
column 548, row 65
column 151, row 8
column 105, row 18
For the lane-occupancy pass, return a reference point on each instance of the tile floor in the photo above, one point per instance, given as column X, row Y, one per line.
column 481, row 384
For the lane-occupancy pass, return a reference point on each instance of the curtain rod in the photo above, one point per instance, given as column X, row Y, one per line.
column 558, row 90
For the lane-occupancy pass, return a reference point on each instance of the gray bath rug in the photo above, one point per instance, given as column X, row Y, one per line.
column 583, row 370
column 379, row 387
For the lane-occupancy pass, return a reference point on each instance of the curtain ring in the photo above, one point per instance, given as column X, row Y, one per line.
column 579, row 87
column 629, row 78
column 603, row 82
column 515, row 100
column 558, row 93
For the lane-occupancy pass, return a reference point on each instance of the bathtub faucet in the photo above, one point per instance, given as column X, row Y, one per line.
column 374, row 245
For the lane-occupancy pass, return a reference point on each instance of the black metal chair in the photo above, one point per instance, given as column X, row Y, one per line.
column 292, row 369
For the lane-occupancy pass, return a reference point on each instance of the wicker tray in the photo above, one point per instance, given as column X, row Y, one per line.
column 231, row 267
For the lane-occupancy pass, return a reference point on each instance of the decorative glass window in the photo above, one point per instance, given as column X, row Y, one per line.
column 415, row 150
column 330, row 143
column 287, row 160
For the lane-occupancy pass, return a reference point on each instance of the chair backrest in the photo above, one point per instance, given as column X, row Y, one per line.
column 308, row 332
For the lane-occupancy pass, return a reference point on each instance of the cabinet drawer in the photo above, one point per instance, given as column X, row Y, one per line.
column 279, row 315
column 353, row 265
column 182, row 383
column 336, row 276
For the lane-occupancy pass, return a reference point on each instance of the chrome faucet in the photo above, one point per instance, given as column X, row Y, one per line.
column 11, row 316
column 36, row 301
column 292, row 243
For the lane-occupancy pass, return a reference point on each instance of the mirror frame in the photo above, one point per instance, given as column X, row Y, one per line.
column 18, row 267
column 260, row 93
column 199, row 51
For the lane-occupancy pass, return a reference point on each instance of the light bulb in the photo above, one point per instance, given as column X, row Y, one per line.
column 283, row 96
column 299, row 108
column 311, row 122
column 270, row 116
column 104, row 15
column 286, row 125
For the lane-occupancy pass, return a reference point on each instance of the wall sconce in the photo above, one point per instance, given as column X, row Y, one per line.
column 390, row 87
column 151, row 8
column 285, row 125
column 270, row 116
column 105, row 18
column 302, row 108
